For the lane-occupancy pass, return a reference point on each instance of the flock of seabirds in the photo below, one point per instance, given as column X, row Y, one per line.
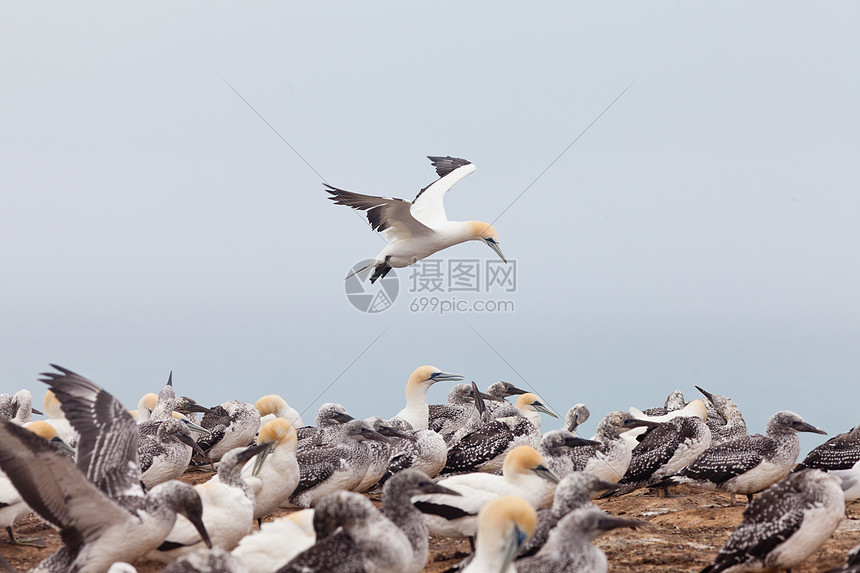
column 477, row 466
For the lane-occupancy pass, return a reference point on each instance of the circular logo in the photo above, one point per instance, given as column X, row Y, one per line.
column 370, row 298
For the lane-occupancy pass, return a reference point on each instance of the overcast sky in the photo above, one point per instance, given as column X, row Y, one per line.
column 704, row 230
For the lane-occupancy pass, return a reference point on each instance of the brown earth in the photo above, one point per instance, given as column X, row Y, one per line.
column 682, row 533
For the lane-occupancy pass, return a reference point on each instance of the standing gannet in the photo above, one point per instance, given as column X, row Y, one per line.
column 379, row 452
column 577, row 414
column 568, row 548
column 724, row 418
column 840, row 455
column 101, row 510
column 397, row 506
column 664, row 450
column 353, row 536
column 419, row 228
column 417, row 412
column 233, row 424
column 228, row 509
column 277, row 542
column 323, row 470
column 784, row 525
column 276, row 467
column 504, row 525
column 273, row 406
column 608, row 460
column 166, row 454
column 748, row 464
column 523, row 474
column 556, row 447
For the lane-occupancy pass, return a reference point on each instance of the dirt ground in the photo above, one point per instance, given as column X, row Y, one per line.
column 682, row 533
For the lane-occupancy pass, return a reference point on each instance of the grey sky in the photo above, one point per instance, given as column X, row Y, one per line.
column 705, row 231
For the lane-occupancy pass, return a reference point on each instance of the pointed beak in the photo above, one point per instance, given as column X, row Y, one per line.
column 575, row 442
column 370, row 434
column 490, row 397
column 804, row 427
column 608, row 523
column 445, row 377
column 390, row 432
column 706, row 394
column 479, row 400
column 194, row 427
column 63, row 446
column 197, row 522
column 634, row 423
column 513, row 541
column 495, row 246
column 261, row 458
column 190, row 441
column 546, row 410
column 547, row 474
column 251, row 451
column 341, row 417
column 431, row 487
column 35, row 411
column 513, row 391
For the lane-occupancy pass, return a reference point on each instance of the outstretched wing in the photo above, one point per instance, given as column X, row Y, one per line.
column 428, row 206
column 48, row 481
column 386, row 214
column 107, row 448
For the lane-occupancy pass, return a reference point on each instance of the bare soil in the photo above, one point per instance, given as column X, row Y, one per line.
column 682, row 533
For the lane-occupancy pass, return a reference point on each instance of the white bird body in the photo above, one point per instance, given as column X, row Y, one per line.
column 503, row 526
column 277, row 542
column 417, row 229
column 417, row 411
column 523, row 475
column 695, row 408
column 279, row 473
column 273, row 406
column 57, row 419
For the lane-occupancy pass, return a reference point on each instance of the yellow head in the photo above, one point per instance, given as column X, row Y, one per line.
column 148, row 402
column 697, row 408
column 270, row 404
column 279, row 431
column 508, row 519
column 43, row 430
column 51, row 405
column 485, row 232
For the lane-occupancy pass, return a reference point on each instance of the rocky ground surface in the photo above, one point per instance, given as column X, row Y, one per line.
column 681, row 533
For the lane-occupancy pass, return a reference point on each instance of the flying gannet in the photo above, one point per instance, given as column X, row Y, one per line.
column 416, row 229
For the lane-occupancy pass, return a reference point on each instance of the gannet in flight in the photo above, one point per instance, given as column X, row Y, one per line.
column 416, row 229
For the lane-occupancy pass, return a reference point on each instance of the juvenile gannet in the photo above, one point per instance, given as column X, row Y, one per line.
column 397, row 506
column 273, row 406
column 323, row 470
column 214, row 560
column 329, row 419
column 419, row 228
column 666, row 449
column 568, row 548
column 105, row 518
column 379, row 452
column 423, row 450
column 724, row 418
column 190, row 408
column 748, row 464
column 556, row 447
column 232, row 424
column 784, row 525
column 276, row 466
column 485, row 449
column 276, row 542
column 417, row 412
column 17, row 407
column 840, row 455
column 577, row 414
column 610, row 459
column 523, row 474
column 499, row 392
column 674, row 401
column 228, row 509
column 165, row 455
column 457, row 412
column 353, row 536
column 694, row 408
column 504, row 524
column 573, row 492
